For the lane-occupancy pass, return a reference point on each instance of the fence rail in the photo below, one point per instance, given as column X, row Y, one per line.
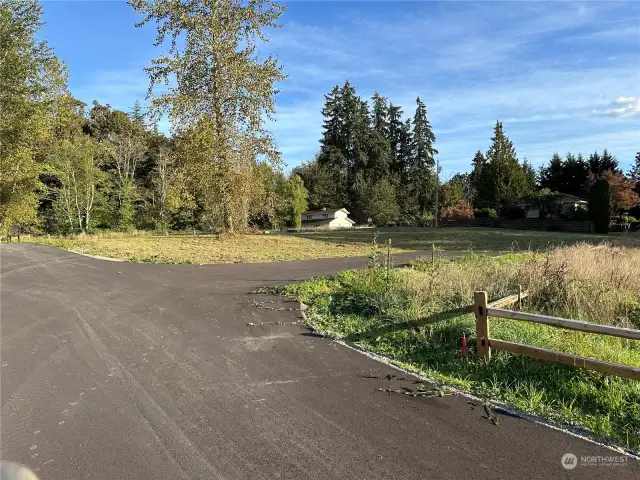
column 484, row 342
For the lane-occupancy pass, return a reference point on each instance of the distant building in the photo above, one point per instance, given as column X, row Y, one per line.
column 553, row 205
column 327, row 219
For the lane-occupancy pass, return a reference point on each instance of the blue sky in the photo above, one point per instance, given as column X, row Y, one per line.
column 561, row 75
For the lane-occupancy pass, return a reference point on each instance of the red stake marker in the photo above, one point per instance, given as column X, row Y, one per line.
column 464, row 346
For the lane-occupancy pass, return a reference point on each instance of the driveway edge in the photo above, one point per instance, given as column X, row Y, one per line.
column 580, row 433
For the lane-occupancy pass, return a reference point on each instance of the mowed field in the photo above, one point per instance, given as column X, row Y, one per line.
column 274, row 247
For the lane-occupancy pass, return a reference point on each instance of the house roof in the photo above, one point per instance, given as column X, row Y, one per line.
column 558, row 196
column 328, row 210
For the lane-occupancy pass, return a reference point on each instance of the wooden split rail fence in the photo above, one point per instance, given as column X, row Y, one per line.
column 484, row 343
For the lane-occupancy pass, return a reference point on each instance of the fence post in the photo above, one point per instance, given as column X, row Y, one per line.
column 482, row 325
column 388, row 253
column 519, row 297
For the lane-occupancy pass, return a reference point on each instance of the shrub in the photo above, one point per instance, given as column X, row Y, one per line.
column 512, row 211
column 485, row 213
column 600, row 205
column 578, row 214
column 461, row 211
column 624, row 219
column 581, row 214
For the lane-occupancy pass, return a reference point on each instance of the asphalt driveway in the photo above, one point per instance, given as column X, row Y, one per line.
column 136, row 371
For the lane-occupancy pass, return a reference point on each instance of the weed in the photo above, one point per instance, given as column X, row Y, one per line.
column 416, row 316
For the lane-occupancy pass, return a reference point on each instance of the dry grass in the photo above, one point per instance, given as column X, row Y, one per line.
column 594, row 283
column 417, row 317
column 471, row 239
column 206, row 249
column 146, row 247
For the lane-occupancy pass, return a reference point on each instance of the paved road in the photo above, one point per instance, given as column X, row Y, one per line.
column 133, row 371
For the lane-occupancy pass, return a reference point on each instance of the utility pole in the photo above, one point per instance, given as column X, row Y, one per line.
column 437, row 188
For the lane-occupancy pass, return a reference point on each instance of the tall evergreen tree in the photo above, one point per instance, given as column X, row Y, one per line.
column 380, row 113
column 480, row 181
column 599, row 164
column 531, row 179
column 349, row 145
column 396, row 137
column 423, row 137
column 137, row 114
column 331, row 127
column 634, row 171
column 422, row 164
column 566, row 176
column 508, row 180
column 552, row 176
column 575, row 175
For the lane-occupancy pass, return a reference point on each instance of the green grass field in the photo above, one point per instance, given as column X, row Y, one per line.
column 416, row 317
column 272, row 247
column 468, row 239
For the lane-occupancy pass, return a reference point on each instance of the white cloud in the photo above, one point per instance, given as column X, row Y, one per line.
column 472, row 63
column 625, row 107
column 541, row 68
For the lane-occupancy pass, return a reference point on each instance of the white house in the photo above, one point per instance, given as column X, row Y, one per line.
column 327, row 219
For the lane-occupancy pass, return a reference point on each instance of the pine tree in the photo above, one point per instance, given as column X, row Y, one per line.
column 137, row 114
column 423, row 138
column 422, row 164
column 634, row 171
column 331, row 126
column 575, row 175
column 396, row 127
column 508, row 180
column 349, row 145
column 552, row 176
column 380, row 113
column 531, row 180
column 599, row 164
column 480, row 182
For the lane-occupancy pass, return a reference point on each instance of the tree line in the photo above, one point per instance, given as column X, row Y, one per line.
column 371, row 160
column 68, row 168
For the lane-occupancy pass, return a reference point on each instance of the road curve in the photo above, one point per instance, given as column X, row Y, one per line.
column 138, row 371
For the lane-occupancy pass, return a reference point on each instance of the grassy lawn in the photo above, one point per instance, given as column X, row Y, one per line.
column 145, row 247
column 416, row 316
column 469, row 239
column 205, row 249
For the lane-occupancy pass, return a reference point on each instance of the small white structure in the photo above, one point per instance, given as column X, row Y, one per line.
column 327, row 219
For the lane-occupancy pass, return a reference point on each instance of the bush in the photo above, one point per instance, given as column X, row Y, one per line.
column 485, row 213
column 619, row 219
column 512, row 211
column 578, row 214
column 600, row 205
column 461, row 211
column 581, row 214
